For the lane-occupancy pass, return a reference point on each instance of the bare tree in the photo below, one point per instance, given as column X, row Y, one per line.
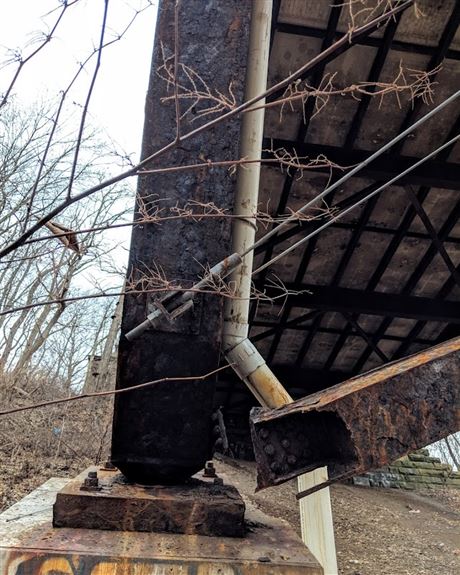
column 58, row 195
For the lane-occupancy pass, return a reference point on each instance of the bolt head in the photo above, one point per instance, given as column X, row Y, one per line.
column 92, row 474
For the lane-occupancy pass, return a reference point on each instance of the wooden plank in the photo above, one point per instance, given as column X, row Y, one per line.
column 316, row 520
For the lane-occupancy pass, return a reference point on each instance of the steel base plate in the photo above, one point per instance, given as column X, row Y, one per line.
column 199, row 507
column 29, row 545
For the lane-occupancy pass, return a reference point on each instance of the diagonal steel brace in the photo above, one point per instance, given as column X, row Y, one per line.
column 362, row 423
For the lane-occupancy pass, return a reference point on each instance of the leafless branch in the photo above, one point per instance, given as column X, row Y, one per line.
column 414, row 83
column 60, row 107
column 88, row 98
column 111, row 392
column 21, row 61
column 176, row 68
column 192, row 133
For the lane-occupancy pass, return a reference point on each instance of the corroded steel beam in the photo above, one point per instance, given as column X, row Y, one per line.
column 163, row 435
column 363, row 423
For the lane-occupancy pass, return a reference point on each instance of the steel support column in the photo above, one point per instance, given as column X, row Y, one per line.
column 163, row 434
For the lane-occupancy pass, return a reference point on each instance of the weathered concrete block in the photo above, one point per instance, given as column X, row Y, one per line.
column 453, row 482
column 434, row 472
column 410, row 471
column 417, row 456
column 425, row 465
column 406, row 485
column 361, row 481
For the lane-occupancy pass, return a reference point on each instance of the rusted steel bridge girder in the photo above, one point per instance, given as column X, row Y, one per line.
column 362, row 423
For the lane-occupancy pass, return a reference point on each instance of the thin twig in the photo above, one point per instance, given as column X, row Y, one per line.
column 23, row 62
column 176, row 69
column 111, row 391
column 55, row 119
column 88, row 98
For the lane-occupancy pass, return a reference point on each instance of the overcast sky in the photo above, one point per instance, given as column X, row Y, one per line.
column 118, row 100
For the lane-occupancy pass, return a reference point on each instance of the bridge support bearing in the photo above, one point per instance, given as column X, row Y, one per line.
column 29, row 545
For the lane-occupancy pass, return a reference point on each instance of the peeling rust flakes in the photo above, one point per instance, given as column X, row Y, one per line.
column 363, row 423
column 234, row 27
column 201, row 507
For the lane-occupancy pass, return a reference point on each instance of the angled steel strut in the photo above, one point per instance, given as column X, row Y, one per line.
column 363, row 423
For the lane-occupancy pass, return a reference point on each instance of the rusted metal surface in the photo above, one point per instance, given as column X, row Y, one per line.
column 29, row 545
column 200, row 507
column 164, row 434
column 363, row 423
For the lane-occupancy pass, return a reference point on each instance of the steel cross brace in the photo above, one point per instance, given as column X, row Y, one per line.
column 362, row 423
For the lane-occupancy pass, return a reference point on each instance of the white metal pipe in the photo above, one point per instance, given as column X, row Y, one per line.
column 236, row 313
column 239, row 351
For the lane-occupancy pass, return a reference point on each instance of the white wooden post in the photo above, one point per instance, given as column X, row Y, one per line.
column 316, row 520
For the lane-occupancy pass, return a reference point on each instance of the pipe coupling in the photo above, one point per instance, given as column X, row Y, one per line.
column 244, row 358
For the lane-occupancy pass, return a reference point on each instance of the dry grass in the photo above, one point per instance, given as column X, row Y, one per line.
column 52, row 441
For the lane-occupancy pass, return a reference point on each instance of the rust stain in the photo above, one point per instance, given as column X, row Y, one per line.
column 54, row 566
column 234, row 27
column 363, row 423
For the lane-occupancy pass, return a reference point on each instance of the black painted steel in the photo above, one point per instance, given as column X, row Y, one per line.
column 163, row 434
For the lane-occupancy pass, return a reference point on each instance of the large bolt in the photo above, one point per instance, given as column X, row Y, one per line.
column 209, row 470
column 91, row 482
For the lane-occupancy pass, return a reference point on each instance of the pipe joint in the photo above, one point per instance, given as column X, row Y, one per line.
column 244, row 358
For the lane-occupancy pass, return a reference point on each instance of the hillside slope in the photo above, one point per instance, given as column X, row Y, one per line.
column 377, row 531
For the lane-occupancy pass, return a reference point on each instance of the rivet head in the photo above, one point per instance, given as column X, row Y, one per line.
column 285, row 443
column 292, row 459
column 269, row 449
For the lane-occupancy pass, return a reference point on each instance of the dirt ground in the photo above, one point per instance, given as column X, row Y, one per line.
column 378, row 531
